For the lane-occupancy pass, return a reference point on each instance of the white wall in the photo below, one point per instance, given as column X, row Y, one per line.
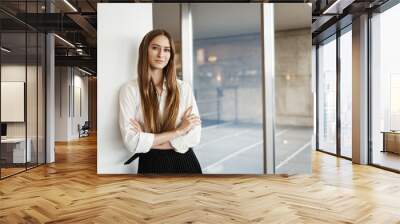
column 61, row 104
column 67, row 116
column 16, row 73
column 120, row 28
column 80, row 83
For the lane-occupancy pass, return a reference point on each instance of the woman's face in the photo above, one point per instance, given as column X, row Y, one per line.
column 159, row 52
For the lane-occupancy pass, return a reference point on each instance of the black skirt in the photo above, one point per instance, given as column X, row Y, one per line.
column 158, row 161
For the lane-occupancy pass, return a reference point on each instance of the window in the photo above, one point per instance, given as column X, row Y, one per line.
column 385, row 89
column 327, row 96
column 346, row 93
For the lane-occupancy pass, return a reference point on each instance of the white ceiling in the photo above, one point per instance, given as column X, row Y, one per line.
column 227, row 19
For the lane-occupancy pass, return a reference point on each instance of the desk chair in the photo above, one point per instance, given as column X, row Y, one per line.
column 84, row 130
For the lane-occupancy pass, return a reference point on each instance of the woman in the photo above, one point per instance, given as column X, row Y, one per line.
column 159, row 118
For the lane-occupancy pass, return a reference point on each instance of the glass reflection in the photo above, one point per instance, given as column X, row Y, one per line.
column 227, row 85
column 293, row 94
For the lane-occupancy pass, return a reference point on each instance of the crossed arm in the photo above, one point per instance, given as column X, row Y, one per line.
column 185, row 136
column 162, row 140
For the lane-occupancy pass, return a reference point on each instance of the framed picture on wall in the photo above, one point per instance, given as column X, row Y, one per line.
column 12, row 101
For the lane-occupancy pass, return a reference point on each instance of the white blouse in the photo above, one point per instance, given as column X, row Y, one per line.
column 130, row 107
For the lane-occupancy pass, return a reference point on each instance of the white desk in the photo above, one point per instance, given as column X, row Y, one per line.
column 19, row 149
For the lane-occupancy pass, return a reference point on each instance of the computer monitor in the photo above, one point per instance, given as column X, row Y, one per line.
column 3, row 129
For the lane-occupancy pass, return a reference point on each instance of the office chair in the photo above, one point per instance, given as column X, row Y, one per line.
column 84, row 130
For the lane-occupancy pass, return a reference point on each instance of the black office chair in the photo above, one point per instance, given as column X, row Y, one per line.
column 84, row 130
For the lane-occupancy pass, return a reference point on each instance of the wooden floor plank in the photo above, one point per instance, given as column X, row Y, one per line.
column 70, row 191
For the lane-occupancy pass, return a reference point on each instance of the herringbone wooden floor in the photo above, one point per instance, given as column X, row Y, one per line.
column 70, row 191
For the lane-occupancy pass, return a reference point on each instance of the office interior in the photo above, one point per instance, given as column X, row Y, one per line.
column 332, row 92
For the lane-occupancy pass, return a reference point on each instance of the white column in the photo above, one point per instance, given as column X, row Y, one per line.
column 50, row 99
column 187, row 43
column 360, row 90
column 314, row 92
column 268, row 56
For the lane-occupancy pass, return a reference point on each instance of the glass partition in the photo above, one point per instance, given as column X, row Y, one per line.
column 228, row 86
column 15, row 151
column 293, row 95
column 22, row 87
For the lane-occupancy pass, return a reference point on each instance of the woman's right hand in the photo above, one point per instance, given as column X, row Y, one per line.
column 188, row 122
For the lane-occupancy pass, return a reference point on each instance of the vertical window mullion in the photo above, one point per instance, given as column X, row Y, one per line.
column 317, row 96
column 338, row 81
column 37, row 89
column 26, row 86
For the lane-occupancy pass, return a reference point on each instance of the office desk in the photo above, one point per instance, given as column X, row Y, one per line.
column 13, row 150
column 391, row 141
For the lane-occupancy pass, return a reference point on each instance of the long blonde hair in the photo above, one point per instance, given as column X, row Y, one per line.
column 152, row 121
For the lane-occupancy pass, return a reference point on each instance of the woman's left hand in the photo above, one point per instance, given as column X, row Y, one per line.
column 136, row 127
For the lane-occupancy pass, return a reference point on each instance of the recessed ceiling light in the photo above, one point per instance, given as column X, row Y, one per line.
column 5, row 50
column 70, row 5
column 337, row 7
column 84, row 71
column 64, row 40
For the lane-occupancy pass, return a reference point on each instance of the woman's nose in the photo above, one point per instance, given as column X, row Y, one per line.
column 160, row 53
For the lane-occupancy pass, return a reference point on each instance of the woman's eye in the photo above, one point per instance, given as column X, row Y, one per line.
column 167, row 50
